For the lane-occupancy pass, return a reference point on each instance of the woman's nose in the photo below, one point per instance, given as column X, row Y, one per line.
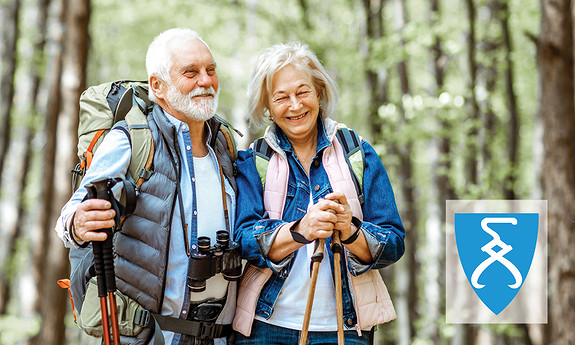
column 295, row 102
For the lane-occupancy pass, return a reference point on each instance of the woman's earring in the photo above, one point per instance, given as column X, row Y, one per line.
column 270, row 117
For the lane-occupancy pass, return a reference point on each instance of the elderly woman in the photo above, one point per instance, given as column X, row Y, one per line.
column 301, row 191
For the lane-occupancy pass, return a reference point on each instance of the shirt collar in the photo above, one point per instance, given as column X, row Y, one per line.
column 181, row 126
column 322, row 139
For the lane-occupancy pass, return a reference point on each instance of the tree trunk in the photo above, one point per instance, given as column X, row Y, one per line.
column 513, row 153
column 53, row 309
column 438, row 153
column 473, row 107
column 376, row 80
column 486, row 77
column 410, row 220
column 52, row 110
column 555, row 57
column 9, row 13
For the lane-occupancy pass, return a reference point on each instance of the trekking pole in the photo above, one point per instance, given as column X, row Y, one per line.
column 108, row 254
column 101, row 281
column 337, row 250
column 315, row 261
column 104, row 265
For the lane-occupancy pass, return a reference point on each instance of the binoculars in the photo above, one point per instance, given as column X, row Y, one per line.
column 207, row 261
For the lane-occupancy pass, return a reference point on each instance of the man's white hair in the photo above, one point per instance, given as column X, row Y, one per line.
column 159, row 56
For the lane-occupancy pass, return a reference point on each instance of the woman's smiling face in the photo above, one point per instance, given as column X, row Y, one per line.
column 294, row 103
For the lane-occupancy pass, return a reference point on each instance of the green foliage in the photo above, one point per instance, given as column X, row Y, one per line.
column 15, row 329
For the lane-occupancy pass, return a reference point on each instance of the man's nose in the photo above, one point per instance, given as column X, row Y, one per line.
column 204, row 79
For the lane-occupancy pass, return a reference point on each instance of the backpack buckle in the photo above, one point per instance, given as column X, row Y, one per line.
column 142, row 317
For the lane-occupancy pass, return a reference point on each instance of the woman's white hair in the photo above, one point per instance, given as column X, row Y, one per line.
column 159, row 56
column 274, row 59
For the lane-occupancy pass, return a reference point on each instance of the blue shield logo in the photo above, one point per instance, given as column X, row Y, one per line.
column 496, row 251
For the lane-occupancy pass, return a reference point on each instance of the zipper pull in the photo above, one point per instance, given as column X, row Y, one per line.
column 357, row 329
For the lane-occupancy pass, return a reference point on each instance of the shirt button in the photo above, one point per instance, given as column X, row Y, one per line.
column 184, row 312
column 316, row 163
column 350, row 322
column 316, row 188
column 188, row 147
column 184, row 127
column 193, row 179
column 195, row 213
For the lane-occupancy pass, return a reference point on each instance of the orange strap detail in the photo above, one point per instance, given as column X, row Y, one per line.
column 88, row 154
column 65, row 284
column 95, row 139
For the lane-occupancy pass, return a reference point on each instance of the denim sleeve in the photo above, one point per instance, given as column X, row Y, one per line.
column 381, row 224
column 254, row 231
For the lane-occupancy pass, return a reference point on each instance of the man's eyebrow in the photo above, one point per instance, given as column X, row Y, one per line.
column 194, row 65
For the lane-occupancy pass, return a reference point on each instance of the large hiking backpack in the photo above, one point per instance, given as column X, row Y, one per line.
column 101, row 107
column 352, row 149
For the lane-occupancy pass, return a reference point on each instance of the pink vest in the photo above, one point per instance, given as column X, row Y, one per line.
column 371, row 299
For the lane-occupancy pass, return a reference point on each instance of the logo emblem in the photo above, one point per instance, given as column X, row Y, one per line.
column 496, row 251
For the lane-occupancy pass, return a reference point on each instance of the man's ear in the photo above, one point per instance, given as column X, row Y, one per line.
column 158, row 86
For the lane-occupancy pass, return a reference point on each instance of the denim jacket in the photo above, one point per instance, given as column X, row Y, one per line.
column 255, row 231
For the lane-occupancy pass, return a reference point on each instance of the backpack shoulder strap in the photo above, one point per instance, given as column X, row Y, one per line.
column 224, row 144
column 262, row 155
column 354, row 156
column 228, row 131
column 140, row 134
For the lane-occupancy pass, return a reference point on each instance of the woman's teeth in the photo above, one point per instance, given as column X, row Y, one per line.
column 299, row 117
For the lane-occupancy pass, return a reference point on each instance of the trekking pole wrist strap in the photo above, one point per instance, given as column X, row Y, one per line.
column 296, row 236
column 70, row 230
column 355, row 221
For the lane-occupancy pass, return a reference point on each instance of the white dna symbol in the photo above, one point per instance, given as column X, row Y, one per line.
column 496, row 256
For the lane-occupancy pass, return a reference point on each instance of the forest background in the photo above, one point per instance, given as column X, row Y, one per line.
column 462, row 99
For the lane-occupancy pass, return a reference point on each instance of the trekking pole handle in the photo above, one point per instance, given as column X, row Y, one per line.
column 336, row 246
column 103, row 251
column 97, row 247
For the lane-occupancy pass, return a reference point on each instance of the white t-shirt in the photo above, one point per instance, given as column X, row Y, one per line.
column 210, row 219
column 289, row 309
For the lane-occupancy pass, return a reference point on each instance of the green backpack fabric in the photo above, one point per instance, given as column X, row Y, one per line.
column 101, row 107
column 352, row 149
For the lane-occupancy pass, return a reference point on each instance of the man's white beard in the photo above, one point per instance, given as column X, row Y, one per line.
column 194, row 109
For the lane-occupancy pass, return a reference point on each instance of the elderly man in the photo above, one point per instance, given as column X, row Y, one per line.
column 186, row 197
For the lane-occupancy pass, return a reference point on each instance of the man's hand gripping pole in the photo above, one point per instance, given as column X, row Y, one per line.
column 104, row 261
